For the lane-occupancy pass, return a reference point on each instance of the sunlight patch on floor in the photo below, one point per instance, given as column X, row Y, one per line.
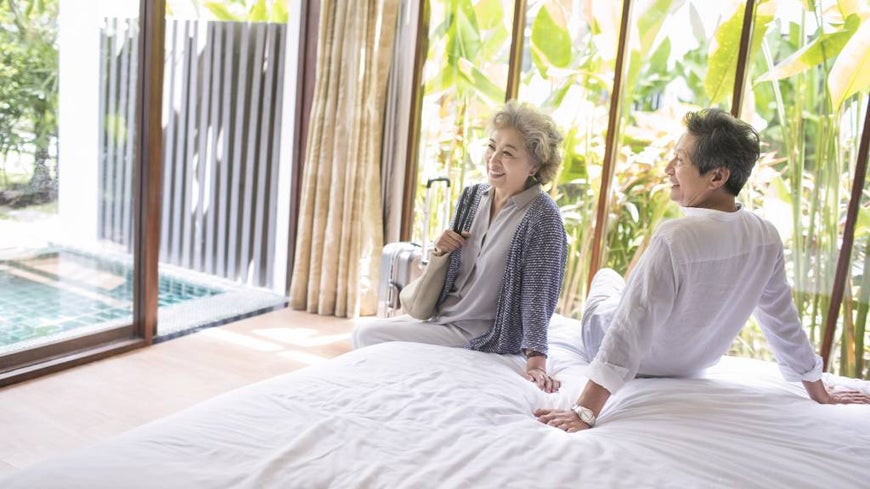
column 301, row 336
column 242, row 340
column 303, row 357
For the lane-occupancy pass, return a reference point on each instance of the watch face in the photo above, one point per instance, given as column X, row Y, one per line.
column 585, row 414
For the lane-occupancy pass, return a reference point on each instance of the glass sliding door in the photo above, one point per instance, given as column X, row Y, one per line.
column 223, row 229
column 568, row 63
column 682, row 58
column 464, row 79
column 810, row 117
column 67, row 127
column 851, row 347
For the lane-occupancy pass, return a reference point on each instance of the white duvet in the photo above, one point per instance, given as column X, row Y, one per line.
column 402, row 415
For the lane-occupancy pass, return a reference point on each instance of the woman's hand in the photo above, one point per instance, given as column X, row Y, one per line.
column 565, row 420
column 543, row 380
column 449, row 241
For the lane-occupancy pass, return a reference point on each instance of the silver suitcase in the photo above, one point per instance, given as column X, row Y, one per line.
column 402, row 262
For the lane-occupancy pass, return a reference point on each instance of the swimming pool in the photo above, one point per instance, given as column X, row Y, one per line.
column 53, row 292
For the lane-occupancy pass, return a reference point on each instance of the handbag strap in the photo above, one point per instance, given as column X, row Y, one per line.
column 463, row 213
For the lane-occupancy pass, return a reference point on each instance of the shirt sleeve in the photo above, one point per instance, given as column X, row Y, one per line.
column 780, row 323
column 646, row 303
column 543, row 270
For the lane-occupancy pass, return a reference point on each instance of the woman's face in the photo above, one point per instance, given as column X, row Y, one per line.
column 508, row 164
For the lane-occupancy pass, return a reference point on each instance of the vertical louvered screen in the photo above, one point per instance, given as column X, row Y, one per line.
column 221, row 110
column 117, row 115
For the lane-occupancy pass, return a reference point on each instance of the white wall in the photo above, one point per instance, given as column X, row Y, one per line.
column 78, row 113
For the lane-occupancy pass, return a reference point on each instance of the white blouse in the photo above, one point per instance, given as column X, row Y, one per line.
column 472, row 303
column 691, row 294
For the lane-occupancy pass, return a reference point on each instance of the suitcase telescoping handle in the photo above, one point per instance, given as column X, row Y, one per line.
column 444, row 215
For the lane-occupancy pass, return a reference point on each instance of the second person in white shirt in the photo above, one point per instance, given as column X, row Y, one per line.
column 696, row 285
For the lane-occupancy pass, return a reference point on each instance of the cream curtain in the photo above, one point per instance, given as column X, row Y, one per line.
column 339, row 239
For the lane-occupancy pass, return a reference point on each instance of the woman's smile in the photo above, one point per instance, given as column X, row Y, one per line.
column 508, row 164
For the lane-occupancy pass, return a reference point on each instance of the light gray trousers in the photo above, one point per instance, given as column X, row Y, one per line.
column 371, row 331
column 600, row 308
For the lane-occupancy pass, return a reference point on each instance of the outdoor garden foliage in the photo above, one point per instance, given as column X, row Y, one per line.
column 807, row 93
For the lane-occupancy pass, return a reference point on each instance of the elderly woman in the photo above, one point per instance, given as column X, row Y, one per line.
column 506, row 265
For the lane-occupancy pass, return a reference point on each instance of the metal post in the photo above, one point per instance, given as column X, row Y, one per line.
column 516, row 57
column 743, row 57
column 146, row 198
column 845, row 257
column 610, row 151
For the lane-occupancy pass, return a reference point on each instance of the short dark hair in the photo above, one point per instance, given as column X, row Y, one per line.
column 722, row 140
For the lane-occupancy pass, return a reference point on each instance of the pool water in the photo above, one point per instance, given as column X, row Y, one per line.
column 58, row 291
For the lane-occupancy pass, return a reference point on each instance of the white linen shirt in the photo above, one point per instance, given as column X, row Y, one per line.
column 693, row 290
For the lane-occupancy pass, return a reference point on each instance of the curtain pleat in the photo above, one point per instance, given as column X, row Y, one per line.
column 340, row 224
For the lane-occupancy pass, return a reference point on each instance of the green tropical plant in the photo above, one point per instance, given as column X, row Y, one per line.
column 466, row 39
column 568, row 78
column 578, row 72
column 28, row 88
column 235, row 10
column 810, row 136
column 811, row 87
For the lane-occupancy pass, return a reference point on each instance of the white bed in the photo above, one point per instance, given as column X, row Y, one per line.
column 420, row 416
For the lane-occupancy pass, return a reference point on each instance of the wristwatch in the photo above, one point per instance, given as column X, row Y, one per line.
column 586, row 414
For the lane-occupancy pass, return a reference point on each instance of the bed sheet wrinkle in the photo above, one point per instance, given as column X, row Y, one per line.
column 420, row 416
column 687, row 451
column 363, row 421
column 481, row 457
column 844, row 383
column 396, row 454
column 615, row 463
column 307, row 461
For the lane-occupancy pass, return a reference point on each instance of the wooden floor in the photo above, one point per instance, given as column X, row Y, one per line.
column 54, row 414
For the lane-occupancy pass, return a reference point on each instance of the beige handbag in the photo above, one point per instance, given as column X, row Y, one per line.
column 420, row 297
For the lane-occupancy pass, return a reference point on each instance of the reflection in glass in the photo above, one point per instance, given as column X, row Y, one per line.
column 679, row 60
column 225, row 193
column 464, row 76
column 62, row 275
column 568, row 65
column 810, row 118
column 851, row 351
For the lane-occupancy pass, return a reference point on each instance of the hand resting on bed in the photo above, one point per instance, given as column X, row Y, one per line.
column 823, row 394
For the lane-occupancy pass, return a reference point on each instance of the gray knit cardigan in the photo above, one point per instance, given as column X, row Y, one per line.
column 532, row 278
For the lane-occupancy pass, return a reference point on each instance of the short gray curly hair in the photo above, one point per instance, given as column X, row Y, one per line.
column 543, row 139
